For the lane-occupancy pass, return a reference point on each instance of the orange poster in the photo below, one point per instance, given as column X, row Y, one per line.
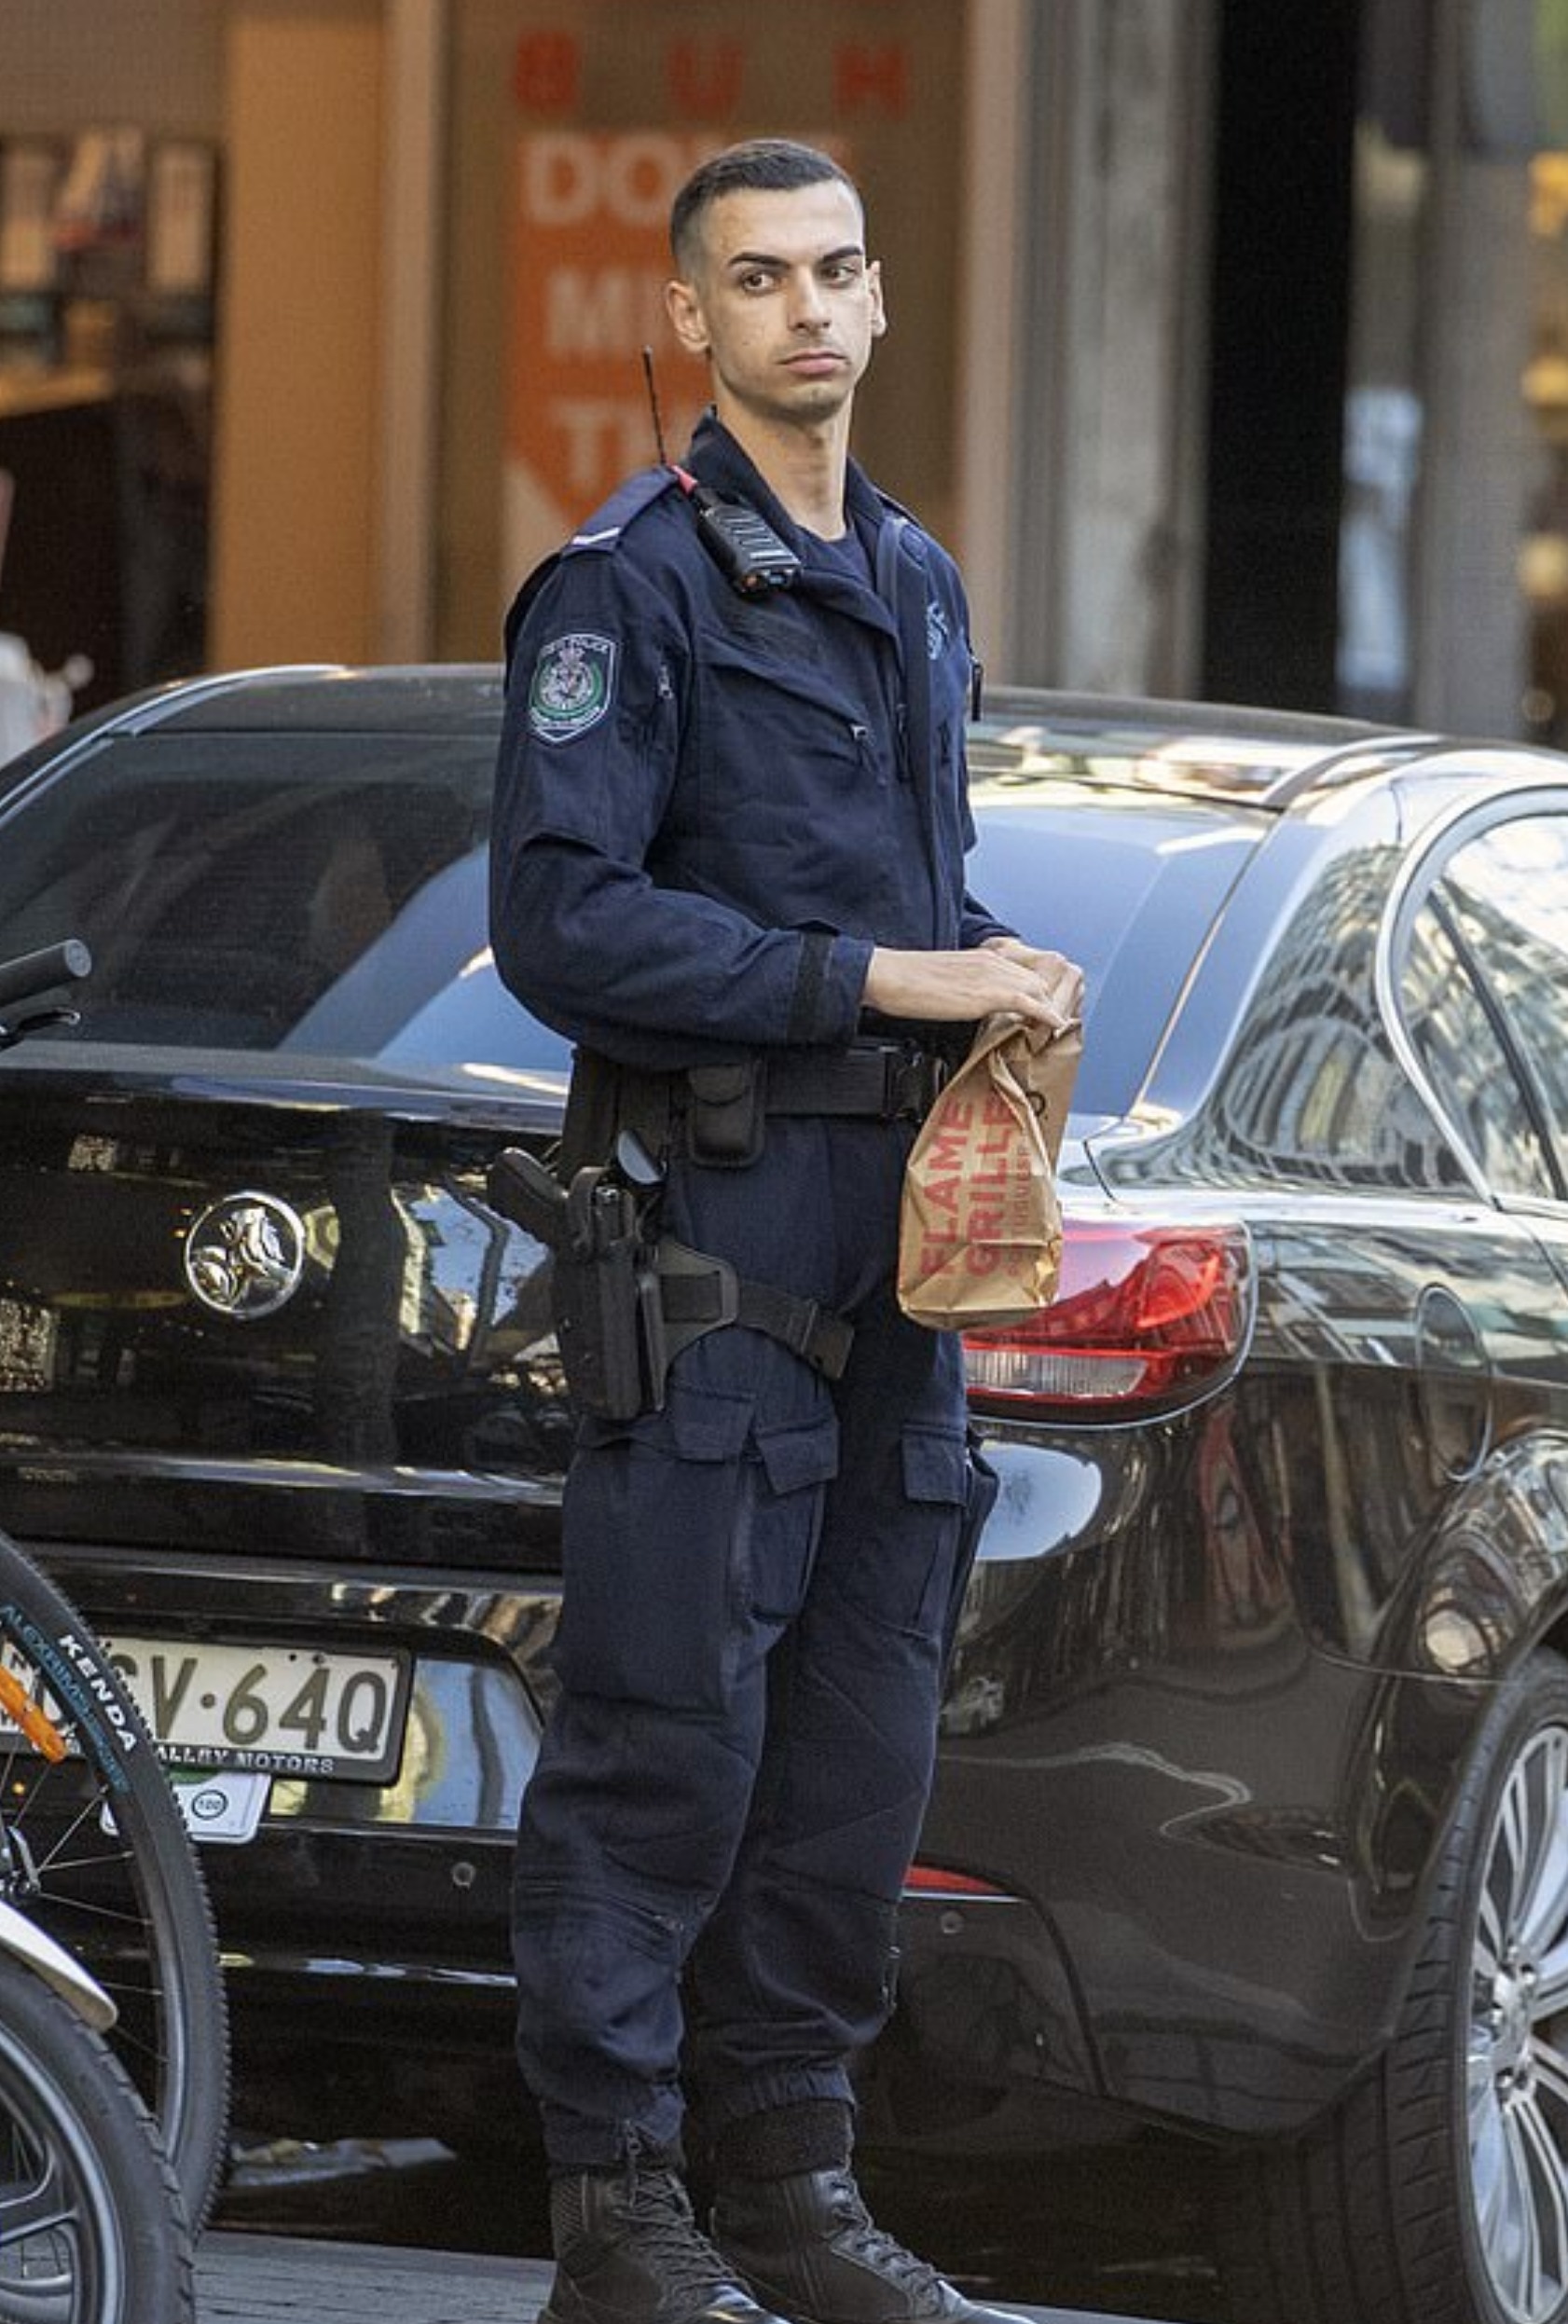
column 590, row 259
column 575, row 123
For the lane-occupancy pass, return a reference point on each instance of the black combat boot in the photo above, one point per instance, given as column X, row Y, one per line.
column 808, row 2249
column 628, row 2251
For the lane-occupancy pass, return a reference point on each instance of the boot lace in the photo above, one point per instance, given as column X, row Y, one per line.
column 862, row 2239
column 660, row 2213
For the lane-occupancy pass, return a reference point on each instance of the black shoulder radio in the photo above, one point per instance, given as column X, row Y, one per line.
column 743, row 545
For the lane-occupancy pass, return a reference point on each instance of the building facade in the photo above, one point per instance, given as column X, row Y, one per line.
column 1228, row 347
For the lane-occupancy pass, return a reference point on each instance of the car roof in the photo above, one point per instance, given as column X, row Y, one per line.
column 1253, row 757
column 1261, row 757
column 1026, row 738
column 445, row 697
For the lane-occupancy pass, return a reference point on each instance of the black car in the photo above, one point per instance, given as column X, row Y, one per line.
column 1252, row 1816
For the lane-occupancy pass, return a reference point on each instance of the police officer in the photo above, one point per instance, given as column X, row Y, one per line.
column 728, row 864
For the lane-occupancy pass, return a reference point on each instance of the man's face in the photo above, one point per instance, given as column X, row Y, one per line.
column 783, row 301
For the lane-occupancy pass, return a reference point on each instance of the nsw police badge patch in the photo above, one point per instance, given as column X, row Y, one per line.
column 573, row 685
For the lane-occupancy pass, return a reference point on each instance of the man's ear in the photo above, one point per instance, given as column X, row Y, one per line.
column 684, row 310
column 878, row 310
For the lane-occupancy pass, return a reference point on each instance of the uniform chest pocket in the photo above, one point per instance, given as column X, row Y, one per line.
column 780, row 732
column 950, row 678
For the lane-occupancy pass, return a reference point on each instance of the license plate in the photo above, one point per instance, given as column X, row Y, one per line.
column 286, row 1711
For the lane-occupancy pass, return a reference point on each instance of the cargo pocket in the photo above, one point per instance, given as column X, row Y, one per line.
column 796, row 1461
column 897, row 1570
column 936, row 1484
column 655, row 1552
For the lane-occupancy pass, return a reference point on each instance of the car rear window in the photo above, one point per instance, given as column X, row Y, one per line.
column 299, row 893
column 324, row 896
column 1127, row 887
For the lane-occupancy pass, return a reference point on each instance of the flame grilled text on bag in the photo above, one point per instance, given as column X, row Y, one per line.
column 980, row 1231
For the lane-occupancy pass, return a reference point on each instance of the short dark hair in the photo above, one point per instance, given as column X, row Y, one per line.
column 766, row 165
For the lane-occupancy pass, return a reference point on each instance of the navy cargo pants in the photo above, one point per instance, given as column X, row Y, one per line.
column 759, row 1582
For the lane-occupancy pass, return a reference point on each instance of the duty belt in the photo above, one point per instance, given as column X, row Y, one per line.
column 886, row 1080
column 723, row 1110
column 718, row 1114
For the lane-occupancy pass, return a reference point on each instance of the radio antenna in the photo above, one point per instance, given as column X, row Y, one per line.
column 747, row 550
column 653, row 408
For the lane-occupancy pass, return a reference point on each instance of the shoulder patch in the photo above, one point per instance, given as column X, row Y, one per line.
column 573, row 685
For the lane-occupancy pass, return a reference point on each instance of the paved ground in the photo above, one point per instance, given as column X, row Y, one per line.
column 263, row 2279
column 266, row 2279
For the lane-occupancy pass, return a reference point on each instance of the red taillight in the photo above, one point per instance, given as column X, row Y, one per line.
column 936, row 1880
column 1142, row 1315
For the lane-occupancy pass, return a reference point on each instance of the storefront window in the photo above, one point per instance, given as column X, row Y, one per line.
column 107, row 256
column 1383, row 402
column 577, row 124
column 1453, row 568
column 1542, row 565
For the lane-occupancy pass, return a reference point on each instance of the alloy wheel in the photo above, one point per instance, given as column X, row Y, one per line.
column 1517, row 2047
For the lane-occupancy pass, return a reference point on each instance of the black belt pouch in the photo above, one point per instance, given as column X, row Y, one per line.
column 726, row 1114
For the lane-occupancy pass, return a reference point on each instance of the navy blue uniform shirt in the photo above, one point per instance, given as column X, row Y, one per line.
column 710, row 808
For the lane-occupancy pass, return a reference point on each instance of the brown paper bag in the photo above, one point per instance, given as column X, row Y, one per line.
column 980, row 1233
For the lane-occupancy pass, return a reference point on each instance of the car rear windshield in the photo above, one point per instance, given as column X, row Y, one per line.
column 324, row 897
column 313, row 894
column 1127, row 886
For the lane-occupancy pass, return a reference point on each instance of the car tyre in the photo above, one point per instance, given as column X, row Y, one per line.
column 1437, row 2194
column 92, row 2225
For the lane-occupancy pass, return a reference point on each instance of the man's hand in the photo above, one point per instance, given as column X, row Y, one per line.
column 949, row 987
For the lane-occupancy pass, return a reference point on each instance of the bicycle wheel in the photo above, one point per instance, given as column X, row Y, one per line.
column 93, row 1849
column 93, row 2227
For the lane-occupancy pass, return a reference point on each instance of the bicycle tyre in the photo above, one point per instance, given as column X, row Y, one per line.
column 93, row 2224
column 95, row 1850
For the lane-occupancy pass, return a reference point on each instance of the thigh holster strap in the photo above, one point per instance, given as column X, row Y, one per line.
column 699, row 1293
